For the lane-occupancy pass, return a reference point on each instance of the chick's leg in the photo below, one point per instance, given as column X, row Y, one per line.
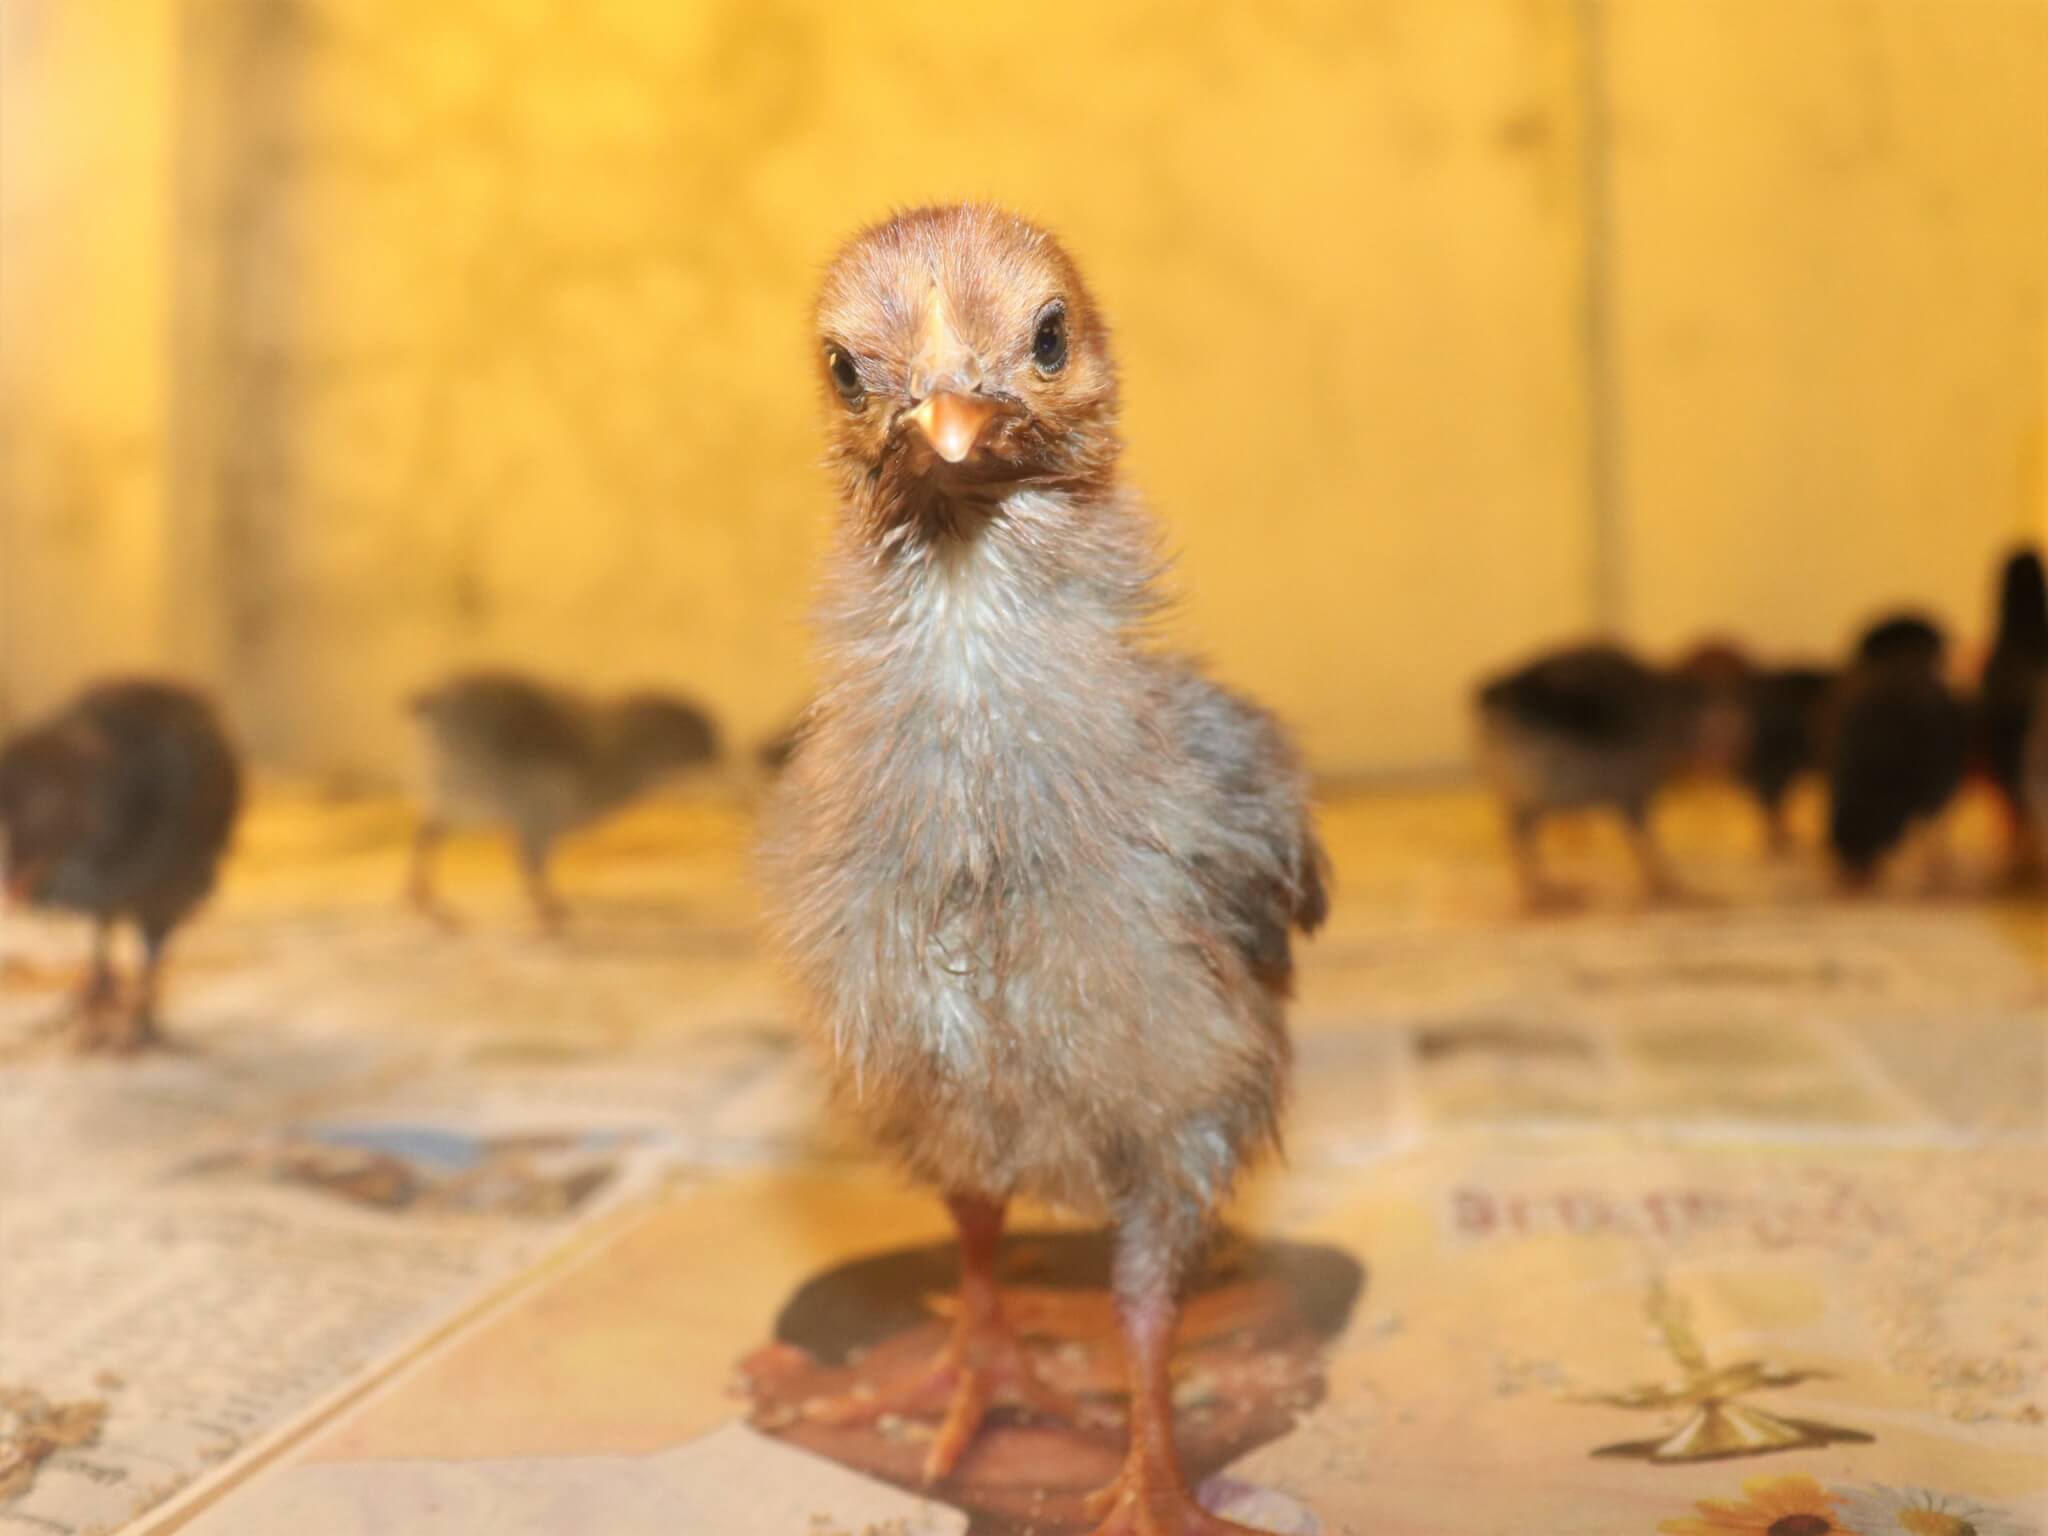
column 1777, row 827
column 419, row 880
column 1539, row 892
column 1150, row 1497
column 2026, row 867
column 540, row 891
column 137, row 1029
column 2023, row 841
column 101, row 992
column 1659, row 883
column 1937, row 856
column 981, row 1365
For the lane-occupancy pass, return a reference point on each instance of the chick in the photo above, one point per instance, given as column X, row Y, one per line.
column 541, row 761
column 2008, row 693
column 2035, row 767
column 120, row 806
column 1787, row 709
column 1590, row 726
column 1913, row 639
column 1768, row 724
column 1900, row 745
column 1035, row 881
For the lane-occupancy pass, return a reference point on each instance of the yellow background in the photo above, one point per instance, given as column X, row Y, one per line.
column 347, row 340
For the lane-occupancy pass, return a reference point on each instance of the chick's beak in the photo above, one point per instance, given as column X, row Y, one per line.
column 952, row 423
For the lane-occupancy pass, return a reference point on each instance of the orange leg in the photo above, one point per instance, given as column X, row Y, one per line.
column 2026, row 842
column 1778, row 830
column 1150, row 1497
column 100, row 997
column 1659, row 883
column 140, row 1032
column 1540, row 894
column 981, row 1365
column 548, row 909
column 420, row 890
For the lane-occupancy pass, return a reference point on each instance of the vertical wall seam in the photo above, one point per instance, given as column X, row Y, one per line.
column 1606, row 573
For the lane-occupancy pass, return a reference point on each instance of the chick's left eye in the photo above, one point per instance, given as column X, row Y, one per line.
column 845, row 376
column 1049, row 339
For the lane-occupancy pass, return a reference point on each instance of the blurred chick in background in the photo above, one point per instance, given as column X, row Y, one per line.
column 1787, row 708
column 541, row 761
column 2008, row 698
column 2035, row 767
column 1774, row 721
column 1593, row 727
column 120, row 806
column 1900, row 744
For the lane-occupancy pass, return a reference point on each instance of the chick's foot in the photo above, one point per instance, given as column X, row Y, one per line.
column 1150, row 1499
column 983, row 1366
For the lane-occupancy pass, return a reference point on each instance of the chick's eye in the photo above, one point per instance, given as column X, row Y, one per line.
column 1049, row 339
column 845, row 376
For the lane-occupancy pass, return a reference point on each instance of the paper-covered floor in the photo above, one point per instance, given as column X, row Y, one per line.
column 1726, row 1219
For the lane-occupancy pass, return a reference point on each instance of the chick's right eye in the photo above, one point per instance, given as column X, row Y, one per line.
column 845, row 376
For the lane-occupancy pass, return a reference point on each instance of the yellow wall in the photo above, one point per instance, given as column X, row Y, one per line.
column 1833, row 307
column 85, row 353
column 521, row 369
column 481, row 335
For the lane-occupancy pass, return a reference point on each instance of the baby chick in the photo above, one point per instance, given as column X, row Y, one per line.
column 120, row 806
column 2008, row 693
column 2035, row 775
column 1590, row 726
column 1900, row 745
column 1787, row 708
column 541, row 761
column 1776, row 717
column 1036, row 881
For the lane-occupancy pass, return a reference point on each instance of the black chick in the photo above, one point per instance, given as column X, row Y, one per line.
column 2035, row 764
column 1911, row 638
column 1900, row 745
column 120, row 806
column 2009, row 690
column 1787, row 708
column 1772, row 720
column 1588, row 727
column 542, row 761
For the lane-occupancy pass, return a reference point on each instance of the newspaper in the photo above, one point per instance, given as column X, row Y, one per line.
column 731, row 1480
column 1609, row 1220
column 160, row 1318
column 206, row 1249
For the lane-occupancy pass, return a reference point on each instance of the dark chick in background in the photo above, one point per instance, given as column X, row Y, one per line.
column 2034, row 775
column 1779, row 720
column 1787, row 709
column 541, row 761
column 2009, row 692
column 1899, row 747
column 1594, row 727
column 120, row 806
column 1035, row 879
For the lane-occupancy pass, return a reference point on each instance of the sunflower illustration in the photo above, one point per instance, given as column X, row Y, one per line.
column 1771, row 1506
column 1873, row 1511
